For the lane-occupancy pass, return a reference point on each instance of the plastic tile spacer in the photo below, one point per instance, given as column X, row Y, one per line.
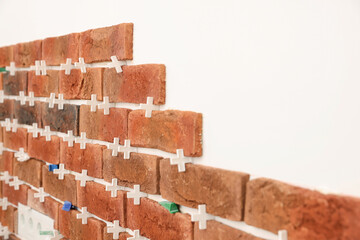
column 170, row 206
column 68, row 206
column 53, row 166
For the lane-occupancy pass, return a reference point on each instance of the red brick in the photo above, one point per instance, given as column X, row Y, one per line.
column 222, row 191
column 104, row 127
column 29, row 171
column 99, row 202
column 156, row 222
column 55, row 50
column 7, row 217
column 76, row 159
column 12, row 85
column 49, row 207
column 25, row 54
column 16, row 140
column 65, row 223
column 7, row 162
column 140, row 169
column 15, row 196
column 218, row 231
column 97, row 45
column 1, row 80
column 136, row 83
column 43, row 85
column 305, row 214
column 7, row 109
column 109, row 236
column 6, row 56
column 65, row 189
column 48, row 151
column 167, row 130
column 80, row 85
column 26, row 114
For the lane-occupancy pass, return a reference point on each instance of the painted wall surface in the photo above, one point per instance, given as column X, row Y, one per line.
column 278, row 81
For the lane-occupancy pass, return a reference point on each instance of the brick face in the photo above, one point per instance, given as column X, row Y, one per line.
column 43, row 85
column 26, row 114
column 6, row 109
column 12, row 85
column 25, row 54
column 7, row 162
column 15, row 140
column 167, row 130
column 6, row 55
column 7, row 218
column 29, row 171
column 15, row 196
column 41, row 149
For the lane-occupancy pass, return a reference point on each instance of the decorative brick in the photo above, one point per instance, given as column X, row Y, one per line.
column 15, row 196
column 26, row 114
column 6, row 56
column 7, row 160
column 104, row 127
column 12, row 85
column 15, row 140
column 140, row 169
column 48, row 151
column 61, row 120
column 218, row 231
column 99, row 202
column 97, row 45
column 49, row 207
column 7, row 109
column 44, row 85
column 222, row 191
column 305, row 214
column 80, row 85
column 77, row 159
column 136, row 83
column 65, row 189
column 29, row 171
column 156, row 222
column 55, row 50
column 7, row 217
column 25, row 54
column 167, row 130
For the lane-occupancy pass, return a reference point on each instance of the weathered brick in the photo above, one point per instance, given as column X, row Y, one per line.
column 305, row 214
column 99, row 202
column 80, row 85
column 7, row 109
column 48, row 151
column 26, row 114
column 104, row 127
column 140, row 169
column 61, row 120
column 76, row 159
column 6, row 56
column 100, row 44
column 222, row 191
column 12, row 85
column 7, row 218
column 135, row 83
column 55, row 50
column 64, row 190
column 7, row 160
column 25, row 54
column 15, row 196
column 29, row 171
column 44, row 85
column 15, row 140
column 167, row 130
column 156, row 222
column 49, row 207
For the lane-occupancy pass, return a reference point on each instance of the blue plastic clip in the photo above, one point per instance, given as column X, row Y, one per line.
column 67, row 206
column 52, row 167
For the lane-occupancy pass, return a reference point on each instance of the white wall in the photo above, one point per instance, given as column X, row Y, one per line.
column 278, row 82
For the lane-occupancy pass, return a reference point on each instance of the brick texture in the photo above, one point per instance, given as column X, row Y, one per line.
column 6, row 109
column 15, row 140
column 15, row 196
column 25, row 54
column 43, row 85
column 12, row 85
column 29, row 171
column 6, row 55
column 305, row 214
column 7, row 162
column 167, row 130
column 222, row 191
column 7, row 217
column 26, row 114
column 41, row 149
column 100, row 44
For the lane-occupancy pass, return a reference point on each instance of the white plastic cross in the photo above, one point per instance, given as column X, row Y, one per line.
column 105, row 105
column 113, row 187
column 14, row 125
column 1, row 148
column 61, row 171
column 114, row 147
column 57, row 236
column 115, row 64
column 5, row 177
column 36, row 67
column 31, row 99
column 52, row 101
column 4, row 203
column 4, row 232
column 42, row 67
column 83, row 178
column 149, row 107
column 67, row 67
column 34, row 130
column 84, row 215
column 6, row 124
column 126, row 149
column 93, row 103
column 282, row 234
column 115, row 229
column 2, row 96
column 82, row 140
column 15, row 183
column 41, row 194
column 21, row 98
column 202, row 217
column 21, row 155
column 47, row 133
column 136, row 236
column 11, row 68
column 180, row 160
column 81, row 64
column 136, row 194
column 69, row 138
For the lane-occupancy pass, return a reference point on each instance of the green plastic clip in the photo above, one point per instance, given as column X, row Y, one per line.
column 50, row 233
column 172, row 207
column 2, row 69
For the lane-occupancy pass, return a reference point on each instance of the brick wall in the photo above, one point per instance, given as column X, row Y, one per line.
column 72, row 103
